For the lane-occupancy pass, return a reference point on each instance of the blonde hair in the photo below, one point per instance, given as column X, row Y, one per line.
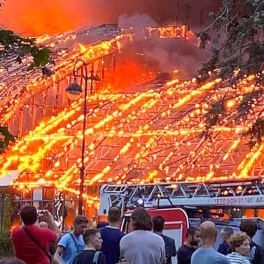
column 238, row 239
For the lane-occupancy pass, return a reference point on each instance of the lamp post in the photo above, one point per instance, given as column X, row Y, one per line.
column 74, row 91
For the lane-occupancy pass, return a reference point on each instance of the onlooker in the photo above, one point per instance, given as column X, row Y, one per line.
column 170, row 248
column 101, row 224
column 51, row 245
column 11, row 261
column 72, row 243
column 256, row 255
column 141, row 245
column 225, row 248
column 90, row 255
column 206, row 253
column 31, row 243
column 111, row 236
column 240, row 244
column 189, row 246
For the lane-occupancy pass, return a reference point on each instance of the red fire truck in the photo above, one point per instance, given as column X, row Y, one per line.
column 184, row 204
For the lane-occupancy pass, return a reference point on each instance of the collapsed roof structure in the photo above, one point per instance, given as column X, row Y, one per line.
column 152, row 132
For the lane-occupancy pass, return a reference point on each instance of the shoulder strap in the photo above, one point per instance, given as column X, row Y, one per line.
column 96, row 256
column 36, row 242
column 75, row 242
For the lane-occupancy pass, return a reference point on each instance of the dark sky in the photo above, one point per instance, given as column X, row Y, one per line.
column 34, row 17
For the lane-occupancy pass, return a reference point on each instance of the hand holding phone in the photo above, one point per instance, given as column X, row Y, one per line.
column 42, row 212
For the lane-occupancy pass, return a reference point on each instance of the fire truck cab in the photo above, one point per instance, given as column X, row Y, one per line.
column 189, row 204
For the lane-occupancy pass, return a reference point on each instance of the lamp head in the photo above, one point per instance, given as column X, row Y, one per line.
column 74, row 91
column 140, row 202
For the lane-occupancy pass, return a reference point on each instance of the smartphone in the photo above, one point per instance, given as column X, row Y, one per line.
column 42, row 212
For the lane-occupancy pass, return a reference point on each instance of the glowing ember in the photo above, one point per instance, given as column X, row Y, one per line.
column 147, row 133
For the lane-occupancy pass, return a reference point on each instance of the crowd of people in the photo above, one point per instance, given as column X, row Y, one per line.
column 146, row 244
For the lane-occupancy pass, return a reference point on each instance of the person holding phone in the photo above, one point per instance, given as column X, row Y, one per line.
column 30, row 242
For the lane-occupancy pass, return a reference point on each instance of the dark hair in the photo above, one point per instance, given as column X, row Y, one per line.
column 90, row 233
column 158, row 223
column 80, row 219
column 114, row 214
column 11, row 261
column 191, row 231
column 141, row 219
column 102, row 224
column 29, row 214
column 248, row 226
column 237, row 240
column 228, row 231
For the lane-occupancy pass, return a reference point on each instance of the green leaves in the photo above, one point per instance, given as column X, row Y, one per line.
column 5, row 138
column 213, row 115
column 41, row 57
column 245, row 106
column 256, row 133
column 237, row 29
column 22, row 46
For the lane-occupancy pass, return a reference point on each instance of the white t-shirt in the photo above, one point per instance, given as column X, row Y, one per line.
column 142, row 247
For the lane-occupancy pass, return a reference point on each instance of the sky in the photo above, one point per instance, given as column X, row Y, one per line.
column 36, row 17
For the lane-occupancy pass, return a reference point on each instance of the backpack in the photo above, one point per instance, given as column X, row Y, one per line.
column 96, row 255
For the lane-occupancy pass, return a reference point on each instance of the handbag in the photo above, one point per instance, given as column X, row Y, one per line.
column 37, row 243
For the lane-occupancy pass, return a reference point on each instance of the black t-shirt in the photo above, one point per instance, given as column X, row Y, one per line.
column 87, row 256
column 224, row 248
column 184, row 254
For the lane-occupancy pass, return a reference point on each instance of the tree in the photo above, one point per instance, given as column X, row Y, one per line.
column 237, row 47
column 18, row 46
column 237, row 41
column 15, row 45
column 5, row 138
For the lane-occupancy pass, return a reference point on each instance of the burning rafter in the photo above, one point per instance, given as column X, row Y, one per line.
column 153, row 135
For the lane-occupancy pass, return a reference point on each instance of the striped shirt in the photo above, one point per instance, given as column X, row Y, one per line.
column 236, row 258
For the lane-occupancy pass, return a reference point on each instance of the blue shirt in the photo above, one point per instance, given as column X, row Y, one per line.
column 110, row 247
column 208, row 256
column 70, row 250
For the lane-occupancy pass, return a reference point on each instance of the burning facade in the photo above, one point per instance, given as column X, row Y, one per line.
column 141, row 128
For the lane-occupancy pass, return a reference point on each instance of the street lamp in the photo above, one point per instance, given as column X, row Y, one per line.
column 74, row 91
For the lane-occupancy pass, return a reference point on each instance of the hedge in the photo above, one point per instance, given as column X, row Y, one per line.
column 6, row 248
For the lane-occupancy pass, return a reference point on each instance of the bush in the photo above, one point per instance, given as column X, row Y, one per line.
column 6, row 248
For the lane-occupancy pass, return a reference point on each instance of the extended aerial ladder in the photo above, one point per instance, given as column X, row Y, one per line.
column 239, row 194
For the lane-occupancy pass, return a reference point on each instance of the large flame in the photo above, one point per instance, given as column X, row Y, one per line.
column 149, row 133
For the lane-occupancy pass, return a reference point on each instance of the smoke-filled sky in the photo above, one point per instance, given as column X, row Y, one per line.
column 36, row 17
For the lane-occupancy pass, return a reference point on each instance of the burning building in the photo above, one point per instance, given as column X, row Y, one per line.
column 143, row 126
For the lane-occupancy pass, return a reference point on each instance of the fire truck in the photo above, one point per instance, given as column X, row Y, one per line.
column 184, row 204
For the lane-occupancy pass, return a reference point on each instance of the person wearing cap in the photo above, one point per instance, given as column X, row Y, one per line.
column 72, row 243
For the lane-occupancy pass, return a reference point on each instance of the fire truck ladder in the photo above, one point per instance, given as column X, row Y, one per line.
column 231, row 194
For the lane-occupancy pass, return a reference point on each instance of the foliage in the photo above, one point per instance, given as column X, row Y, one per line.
column 11, row 43
column 5, row 138
column 6, row 248
column 213, row 115
column 6, row 195
column 245, row 106
column 255, row 133
column 237, row 41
